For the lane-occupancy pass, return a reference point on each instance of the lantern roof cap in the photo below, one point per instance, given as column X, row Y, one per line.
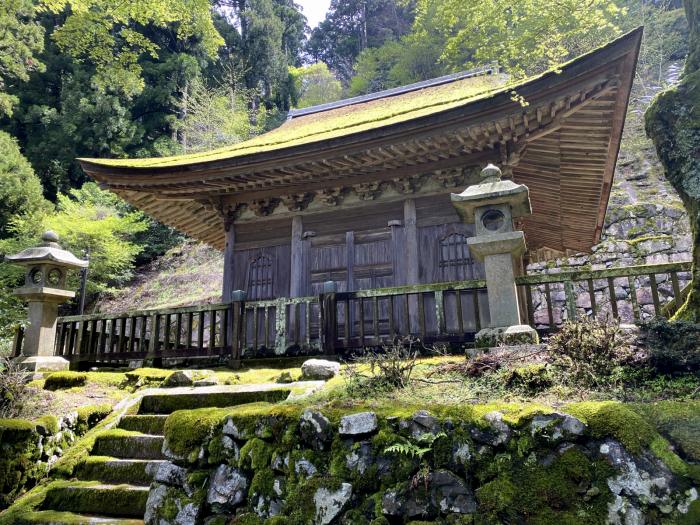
column 492, row 190
column 48, row 252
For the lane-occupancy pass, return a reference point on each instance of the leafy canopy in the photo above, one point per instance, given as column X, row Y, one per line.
column 21, row 37
column 104, row 33
column 314, row 85
column 525, row 37
column 20, row 188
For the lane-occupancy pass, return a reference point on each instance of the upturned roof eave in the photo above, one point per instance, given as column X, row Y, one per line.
column 472, row 111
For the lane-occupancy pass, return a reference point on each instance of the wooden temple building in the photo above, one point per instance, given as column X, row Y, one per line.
column 358, row 191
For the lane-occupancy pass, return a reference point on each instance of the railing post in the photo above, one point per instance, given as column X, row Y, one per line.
column 281, row 327
column 328, row 314
column 237, row 331
column 570, row 300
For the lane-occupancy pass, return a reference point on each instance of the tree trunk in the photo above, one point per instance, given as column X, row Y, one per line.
column 673, row 123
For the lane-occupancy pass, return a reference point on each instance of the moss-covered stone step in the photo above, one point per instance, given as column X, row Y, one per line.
column 193, row 398
column 147, row 424
column 116, row 470
column 52, row 517
column 85, row 497
column 123, row 444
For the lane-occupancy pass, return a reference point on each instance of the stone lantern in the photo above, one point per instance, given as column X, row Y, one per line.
column 492, row 205
column 44, row 289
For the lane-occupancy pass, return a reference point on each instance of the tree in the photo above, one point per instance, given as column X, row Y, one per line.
column 351, row 26
column 214, row 116
column 20, row 39
column 525, row 37
column 20, row 189
column 314, row 85
column 106, row 33
column 90, row 220
column 673, row 123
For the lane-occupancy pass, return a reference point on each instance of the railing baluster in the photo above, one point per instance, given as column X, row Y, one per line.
column 110, row 338
column 178, row 331
column 122, row 330
column 406, row 314
column 267, row 328
column 200, row 330
column 224, row 327
column 636, row 314
column 190, row 320
column 375, row 317
column 613, row 297
column 132, row 333
column 103, row 338
column 308, row 323
column 421, row 314
column 676, row 289
column 392, row 325
column 655, row 294
column 570, row 300
column 530, row 305
column 167, row 330
column 297, row 324
column 440, row 311
column 91, row 337
column 347, row 321
column 212, row 331
column 142, row 334
column 362, row 321
column 460, row 318
column 591, row 294
column 477, row 310
column 255, row 328
column 548, row 298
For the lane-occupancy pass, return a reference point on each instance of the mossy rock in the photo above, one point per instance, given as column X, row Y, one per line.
column 64, row 380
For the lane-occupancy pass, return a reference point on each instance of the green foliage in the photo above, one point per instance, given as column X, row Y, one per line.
column 104, row 33
column 216, row 116
column 589, row 352
column 21, row 193
column 96, row 222
column 412, row 450
column 21, row 38
column 13, row 390
column 525, row 37
column 351, row 26
column 314, row 85
column 64, row 380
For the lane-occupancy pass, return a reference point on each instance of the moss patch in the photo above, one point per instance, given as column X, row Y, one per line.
column 64, row 380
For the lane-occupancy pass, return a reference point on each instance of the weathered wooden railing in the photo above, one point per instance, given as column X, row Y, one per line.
column 631, row 294
column 332, row 322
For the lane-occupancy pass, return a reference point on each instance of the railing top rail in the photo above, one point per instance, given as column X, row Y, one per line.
column 582, row 275
column 414, row 289
column 183, row 309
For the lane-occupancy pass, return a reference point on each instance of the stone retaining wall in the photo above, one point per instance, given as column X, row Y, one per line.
column 474, row 465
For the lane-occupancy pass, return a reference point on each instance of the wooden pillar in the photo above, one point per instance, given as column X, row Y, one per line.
column 296, row 274
column 411, row 233
column 227, row 289
column 412, row 263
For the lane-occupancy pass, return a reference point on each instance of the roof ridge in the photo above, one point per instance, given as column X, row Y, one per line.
column 491, row 69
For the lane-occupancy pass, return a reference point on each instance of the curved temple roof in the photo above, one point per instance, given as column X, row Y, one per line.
column 558, row 133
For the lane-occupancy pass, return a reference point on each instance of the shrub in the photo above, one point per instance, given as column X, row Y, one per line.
column 674, row 346
column 13, row 392
column 64, row 380
column 589, row 352
column 390, row 368
column 530, row 379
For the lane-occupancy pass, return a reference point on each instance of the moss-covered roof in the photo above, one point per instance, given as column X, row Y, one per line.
column 338, row 122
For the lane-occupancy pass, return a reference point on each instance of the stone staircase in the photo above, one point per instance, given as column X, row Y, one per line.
column 112, row 483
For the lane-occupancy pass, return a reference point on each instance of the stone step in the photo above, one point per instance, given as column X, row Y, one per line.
column 191, row 398
column 94, row 498
column 116, row 470
column 128, row 445
column 148, row 424
column 52, row 517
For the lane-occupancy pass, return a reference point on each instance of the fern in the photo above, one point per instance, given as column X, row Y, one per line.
column 412, row 450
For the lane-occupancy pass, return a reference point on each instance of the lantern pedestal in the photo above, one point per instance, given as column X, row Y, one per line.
column 44, row 289
column 39, row 342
